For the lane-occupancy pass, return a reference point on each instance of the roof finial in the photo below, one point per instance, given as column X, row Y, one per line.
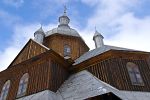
column 65, row 9
column 95, row 29
column 40, row 25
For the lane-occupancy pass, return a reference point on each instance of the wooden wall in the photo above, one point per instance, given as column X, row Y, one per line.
column 113, row 70
column 57, row 42
column 58, row 75
column 30, row 50
column 44, row 72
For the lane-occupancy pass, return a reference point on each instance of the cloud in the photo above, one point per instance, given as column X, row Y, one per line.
column 7, row 56
column 21, row 34
column 14, row 3
column 116, row 20
column 133, row 32
column 8, row 19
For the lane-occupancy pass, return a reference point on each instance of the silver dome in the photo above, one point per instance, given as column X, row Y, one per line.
column 63, row 27
column 64, row 30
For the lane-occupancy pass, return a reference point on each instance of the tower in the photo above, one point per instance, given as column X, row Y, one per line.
column 39, row 35
column 98, row 39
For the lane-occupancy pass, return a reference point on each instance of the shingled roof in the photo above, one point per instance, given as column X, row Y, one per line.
column 98, row 51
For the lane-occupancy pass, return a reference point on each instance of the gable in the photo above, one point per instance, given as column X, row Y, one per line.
column 30, row 50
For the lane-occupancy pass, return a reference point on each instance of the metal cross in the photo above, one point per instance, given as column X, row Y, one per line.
column 65, row 9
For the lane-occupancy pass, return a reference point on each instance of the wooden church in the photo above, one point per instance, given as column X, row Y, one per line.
column 58, row 65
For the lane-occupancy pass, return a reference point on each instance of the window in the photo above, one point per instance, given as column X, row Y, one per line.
column 134, row 74
column 23, row 85
column 67, row 50
column 5, row 90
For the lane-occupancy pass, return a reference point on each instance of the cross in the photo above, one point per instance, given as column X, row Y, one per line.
column 95, row 29
column 65, row 9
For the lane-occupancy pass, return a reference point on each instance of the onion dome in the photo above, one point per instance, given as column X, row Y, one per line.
column 63, row 27
column 39, row 35
column 96, row 34
column 98, row 39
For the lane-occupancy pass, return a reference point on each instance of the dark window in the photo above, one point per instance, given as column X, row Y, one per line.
column 23, row 85
column 5, row 90
column 67, row 50
column 134, row 74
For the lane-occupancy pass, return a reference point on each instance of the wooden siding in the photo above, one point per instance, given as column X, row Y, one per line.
column 43, row 74
column 57, row 43
column 113, row 71
column 30, row 50
column 58, row 74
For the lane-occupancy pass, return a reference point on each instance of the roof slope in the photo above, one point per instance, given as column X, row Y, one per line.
column 98, row 51
column 84, row 85
column 31, row 49
column 64, row 31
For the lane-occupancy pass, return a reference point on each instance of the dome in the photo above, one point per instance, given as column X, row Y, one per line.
column 97, row 34
column 39, row 31
column 64, row 30
column 63, row 27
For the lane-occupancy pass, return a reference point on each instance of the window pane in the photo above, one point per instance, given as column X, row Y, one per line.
column 19, row 90
column 24, row 88
column 139, row 78
column 136, row 69
column 2, row 95
column 67, row 50
column 5, row 90
column 134, row 73
column 23, row 85
column 133, row 78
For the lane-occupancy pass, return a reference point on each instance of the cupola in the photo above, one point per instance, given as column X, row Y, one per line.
column 39, row 35
column 64, row 19
column 98, row 39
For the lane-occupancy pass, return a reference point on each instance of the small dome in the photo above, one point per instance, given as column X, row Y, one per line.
column 64, row 20
column 97, row 34
column 39, row 31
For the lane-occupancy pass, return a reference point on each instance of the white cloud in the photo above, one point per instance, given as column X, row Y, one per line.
column 21, row 34
column 7, row 18
column 7, row 56
column 15, row 3
column 133, row 32
column 118, row 23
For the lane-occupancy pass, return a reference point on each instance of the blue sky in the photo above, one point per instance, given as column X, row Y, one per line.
column 124, row 23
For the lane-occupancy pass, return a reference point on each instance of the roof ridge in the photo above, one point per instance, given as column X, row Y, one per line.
column 40, row 44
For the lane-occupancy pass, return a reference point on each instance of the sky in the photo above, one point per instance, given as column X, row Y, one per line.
column 123, row 23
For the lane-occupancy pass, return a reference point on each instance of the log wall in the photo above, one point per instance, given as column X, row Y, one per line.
column 57, row 43
column 113, row 71
column 45, row 73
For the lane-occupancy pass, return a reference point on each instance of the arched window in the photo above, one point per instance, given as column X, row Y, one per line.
column 5, row 90
column 23, row 85
column 67, row 50
column 134, row 74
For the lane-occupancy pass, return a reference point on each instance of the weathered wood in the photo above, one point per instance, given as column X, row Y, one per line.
column 111, row 68
column 57, row 42
column 46, row 72
column 30, row 50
